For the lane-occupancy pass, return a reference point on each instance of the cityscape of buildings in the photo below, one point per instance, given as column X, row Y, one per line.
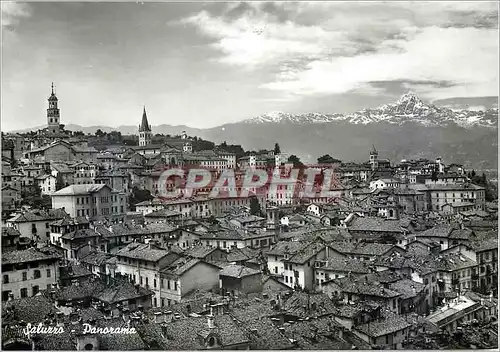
column 396, row 256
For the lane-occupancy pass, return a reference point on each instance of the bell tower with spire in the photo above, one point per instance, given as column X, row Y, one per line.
column 144, row 130
column 53, row 116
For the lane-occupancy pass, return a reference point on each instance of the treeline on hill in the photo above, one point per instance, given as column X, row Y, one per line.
column 491, row 190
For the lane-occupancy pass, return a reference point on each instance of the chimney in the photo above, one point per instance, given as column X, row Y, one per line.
column 158, row 317
column 60, row 319
column 168, row 316
column 211, row 323
column 126, row 314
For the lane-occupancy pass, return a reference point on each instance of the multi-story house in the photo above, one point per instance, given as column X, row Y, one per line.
column 388, row 331
column 27, row 272
column 338, row 267
column 11, row 198
column 10, row 237
column 385, row 183
column 409, row 200
column 142, row 264
column 83, row 172
column 205, row 161
column 447, row 235
column 446, row 276
column 351, row 289
column 117, row 180
column 64, row 170
column 439, row 195
column 283, row 192
column 442, row 179
column 485, row 278
column 76, row 244
column 107, row 160
column 185, row 275
column 229, row 157
column 389, row 230
column 60, row 227
column 293, row 263
column 91, row 200
column 47, row 183
column 35, row 224
column 149, row 206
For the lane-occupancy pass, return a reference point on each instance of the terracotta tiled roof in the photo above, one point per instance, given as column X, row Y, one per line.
column 238, row 271
column 27, row 255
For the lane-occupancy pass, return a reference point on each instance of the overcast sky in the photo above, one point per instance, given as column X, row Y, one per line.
column 205, row 64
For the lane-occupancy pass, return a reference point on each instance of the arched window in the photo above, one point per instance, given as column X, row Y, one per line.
column 89, row 347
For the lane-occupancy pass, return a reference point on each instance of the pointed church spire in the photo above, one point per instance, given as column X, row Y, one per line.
column 144, row 123
column 52, row 88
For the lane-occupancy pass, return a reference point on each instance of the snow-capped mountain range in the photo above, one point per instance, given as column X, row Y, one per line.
column 408, row 108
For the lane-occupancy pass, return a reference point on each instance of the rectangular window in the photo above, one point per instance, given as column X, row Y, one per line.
column 24, row 292
column 168, row 286
column 175, row 285
column 48, row 273
column 25, row 276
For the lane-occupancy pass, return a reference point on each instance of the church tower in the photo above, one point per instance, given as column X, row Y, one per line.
column 53, row 117
column 144, row 130
column 374, row 159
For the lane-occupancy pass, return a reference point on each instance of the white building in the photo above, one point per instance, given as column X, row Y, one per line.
column 47, row 184
column 91, row 200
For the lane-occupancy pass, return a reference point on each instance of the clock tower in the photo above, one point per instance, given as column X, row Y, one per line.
column 53, row 116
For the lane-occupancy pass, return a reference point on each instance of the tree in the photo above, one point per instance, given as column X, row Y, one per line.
column 327, row 159
column 277, row 149
column 483, row 179
column 139, row 195
column 99, row 133
column 255, row 207
column 59, row 182
column 473, row 173
column 294, row 159
column 434, row 176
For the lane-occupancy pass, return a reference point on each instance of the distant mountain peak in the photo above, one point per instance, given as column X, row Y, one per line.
column 408, row 108
column 410, row 97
